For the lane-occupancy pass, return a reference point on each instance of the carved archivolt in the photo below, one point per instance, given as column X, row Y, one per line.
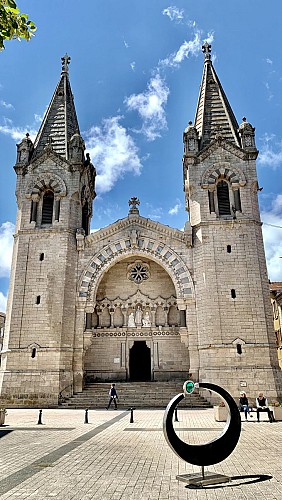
column 46, row 181
column 114, row 252
column 223, row 171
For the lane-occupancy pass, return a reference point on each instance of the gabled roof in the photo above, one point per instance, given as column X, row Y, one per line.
column 214, row 115
column 60, row 120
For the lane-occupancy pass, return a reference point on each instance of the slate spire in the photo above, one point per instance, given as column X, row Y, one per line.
column 214, row 115
column 60, row 120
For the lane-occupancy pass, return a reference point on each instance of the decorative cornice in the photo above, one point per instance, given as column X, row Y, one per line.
column 130, row 222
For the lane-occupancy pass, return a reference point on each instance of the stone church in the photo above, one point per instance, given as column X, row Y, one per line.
column 138, row 300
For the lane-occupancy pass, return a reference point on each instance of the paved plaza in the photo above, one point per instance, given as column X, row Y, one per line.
column 111, row 458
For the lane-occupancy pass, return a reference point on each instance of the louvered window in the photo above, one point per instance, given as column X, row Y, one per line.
column 47, row 207
column 223, row 198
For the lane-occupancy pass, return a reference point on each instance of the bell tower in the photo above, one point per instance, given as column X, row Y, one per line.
column 55, row 191
column 235, row 331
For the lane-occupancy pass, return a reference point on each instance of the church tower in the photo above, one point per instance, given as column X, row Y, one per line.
column 235, row 332
column 55, row 191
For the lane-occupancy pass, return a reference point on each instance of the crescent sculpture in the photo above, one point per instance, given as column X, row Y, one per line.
column 214, row 451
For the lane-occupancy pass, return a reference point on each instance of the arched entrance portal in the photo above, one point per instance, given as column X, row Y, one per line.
column 140, row 362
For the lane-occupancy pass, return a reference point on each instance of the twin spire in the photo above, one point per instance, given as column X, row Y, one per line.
column 60, row 121
column 214, row 116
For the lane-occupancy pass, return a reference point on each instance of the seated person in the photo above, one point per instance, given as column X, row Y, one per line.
column 244, row 404
column 262, row 405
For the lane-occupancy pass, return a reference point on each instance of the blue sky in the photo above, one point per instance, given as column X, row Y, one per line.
column 135, row 73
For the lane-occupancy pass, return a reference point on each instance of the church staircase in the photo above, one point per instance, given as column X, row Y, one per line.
column 133, row 394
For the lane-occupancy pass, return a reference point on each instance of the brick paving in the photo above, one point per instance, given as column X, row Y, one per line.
column 111, row 458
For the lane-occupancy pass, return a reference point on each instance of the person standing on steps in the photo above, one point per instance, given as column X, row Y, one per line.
column 113, row 396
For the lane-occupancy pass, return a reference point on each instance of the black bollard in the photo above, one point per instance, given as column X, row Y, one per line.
column 39, row 418
column 131, row 416
column 86, row 416
column 175, row 415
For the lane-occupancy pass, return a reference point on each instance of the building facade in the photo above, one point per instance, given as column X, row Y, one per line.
column 138, row 300
column 276, row 302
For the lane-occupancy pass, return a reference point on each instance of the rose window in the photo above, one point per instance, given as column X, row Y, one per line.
column 138, row 272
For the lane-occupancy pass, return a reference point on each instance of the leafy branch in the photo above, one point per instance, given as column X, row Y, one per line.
column 13, row 23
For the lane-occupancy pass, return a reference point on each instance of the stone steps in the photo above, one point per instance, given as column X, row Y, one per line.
column 133, row 394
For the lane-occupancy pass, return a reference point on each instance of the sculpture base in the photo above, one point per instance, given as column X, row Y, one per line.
column 199, row 480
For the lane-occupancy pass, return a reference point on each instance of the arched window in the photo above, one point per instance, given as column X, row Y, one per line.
column 223, row 198
column 47, row 207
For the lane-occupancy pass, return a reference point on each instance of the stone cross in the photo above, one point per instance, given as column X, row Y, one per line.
column 133, row 202
column 65, row 62
column 206, row 48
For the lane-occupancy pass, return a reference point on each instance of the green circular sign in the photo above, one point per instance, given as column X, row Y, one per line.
column 188, row 386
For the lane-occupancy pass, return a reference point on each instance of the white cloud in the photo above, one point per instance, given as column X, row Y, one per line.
column 6, row 105
column 125, row 44
column 132, row 65
column 269, row 61
column 174, row 210
column 16, row 133
column 270, row 152
column 3, row 302
column 6, row 244
column 173, row 13
column 150, row 106
column 186, row 49
column 273, row 238
column 113, row 151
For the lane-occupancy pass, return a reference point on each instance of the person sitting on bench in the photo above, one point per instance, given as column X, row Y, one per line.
column 262, row 405
column 244, row 404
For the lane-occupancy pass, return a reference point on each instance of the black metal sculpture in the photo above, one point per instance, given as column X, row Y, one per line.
column 214, row 451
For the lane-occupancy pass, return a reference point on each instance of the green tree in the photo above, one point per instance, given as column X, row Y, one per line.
column 14, row 24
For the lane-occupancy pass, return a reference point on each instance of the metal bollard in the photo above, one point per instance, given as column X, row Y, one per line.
column 175, row 415
column 40, row 418
column 86, row 416
column 131, row 416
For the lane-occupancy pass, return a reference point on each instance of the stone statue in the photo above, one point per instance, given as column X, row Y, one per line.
column 146, row 320
column 138, row 316
column 131, row 322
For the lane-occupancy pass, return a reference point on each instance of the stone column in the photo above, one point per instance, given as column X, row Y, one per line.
column 99, row 313
column 123, row 354
column 112, row 312
column 124, row 312
column 153, row 311
column 88, row 321
column 156, row 354
column 166, row 315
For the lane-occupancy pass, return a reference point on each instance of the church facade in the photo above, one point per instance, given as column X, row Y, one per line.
column 138, row 300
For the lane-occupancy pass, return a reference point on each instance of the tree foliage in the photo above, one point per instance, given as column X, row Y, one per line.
column 14, row 24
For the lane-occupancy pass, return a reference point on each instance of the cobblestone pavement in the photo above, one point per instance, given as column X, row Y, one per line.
column 111, row 458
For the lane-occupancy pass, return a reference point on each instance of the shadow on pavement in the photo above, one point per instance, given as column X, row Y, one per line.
column 235, row 481
column 4, row 432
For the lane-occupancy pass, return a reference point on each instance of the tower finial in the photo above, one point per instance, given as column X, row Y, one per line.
column 65, row 62
column 206, row 48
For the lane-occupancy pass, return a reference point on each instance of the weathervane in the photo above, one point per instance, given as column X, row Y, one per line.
column 206, row 48
column 65, row 62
